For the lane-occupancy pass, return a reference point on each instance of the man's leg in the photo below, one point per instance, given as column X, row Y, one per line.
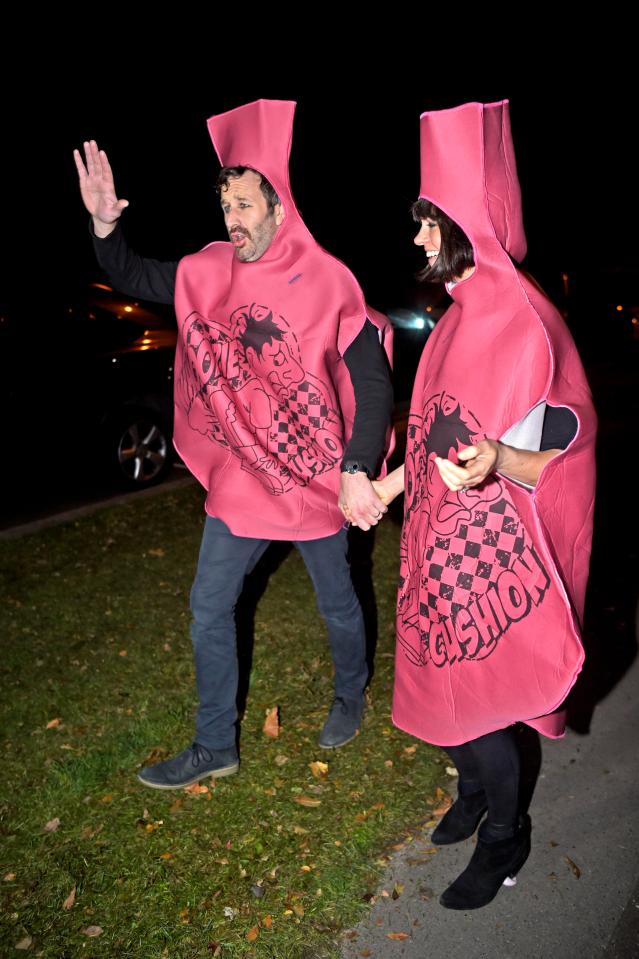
column 223, row 563
column 327, row 564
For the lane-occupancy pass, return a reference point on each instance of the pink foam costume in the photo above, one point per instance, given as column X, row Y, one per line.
column 264, row 401
column 492, row 579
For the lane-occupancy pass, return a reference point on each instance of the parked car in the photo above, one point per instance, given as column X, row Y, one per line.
column 87, row 388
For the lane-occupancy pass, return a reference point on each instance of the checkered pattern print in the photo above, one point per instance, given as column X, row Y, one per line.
column 453, row 575
column 306, row 411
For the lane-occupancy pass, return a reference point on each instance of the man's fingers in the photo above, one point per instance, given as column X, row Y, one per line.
column 79, row 165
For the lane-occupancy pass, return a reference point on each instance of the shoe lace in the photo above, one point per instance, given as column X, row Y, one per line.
column 200, row 755
column 339, row 703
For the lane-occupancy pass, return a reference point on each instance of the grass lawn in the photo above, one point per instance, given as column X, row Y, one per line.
column 97, row 680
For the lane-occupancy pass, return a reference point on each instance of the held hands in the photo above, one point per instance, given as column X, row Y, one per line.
column 481, row 459
column 359, row 501
column 98, row 189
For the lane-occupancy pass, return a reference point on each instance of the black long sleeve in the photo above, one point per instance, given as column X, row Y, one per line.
column 132, row 274
column 368, row 368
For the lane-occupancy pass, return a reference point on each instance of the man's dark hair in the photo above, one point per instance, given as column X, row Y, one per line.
column 258, row 332
column 456, row 250
column 233, row 172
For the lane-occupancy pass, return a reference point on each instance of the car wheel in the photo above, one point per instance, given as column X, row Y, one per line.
column 142, row 448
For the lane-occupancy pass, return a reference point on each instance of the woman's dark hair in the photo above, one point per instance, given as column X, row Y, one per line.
column 232, row 172
column 456, row 250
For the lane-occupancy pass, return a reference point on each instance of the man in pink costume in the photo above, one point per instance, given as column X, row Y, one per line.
column 496, row 538
column 282, row 409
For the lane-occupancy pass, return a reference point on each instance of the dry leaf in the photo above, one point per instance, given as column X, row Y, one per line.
column 318, row 769
column 24, row 943
column 252, row 934
column 409, row 750
column 215, row 948
column 307, row 801
column 53, row 723
column 388, row 763
column 107, row 798
column 93, row 931
column 157, row 552
column 195, row 789
column 298, row 909
column 166, row 855
column 9, row 876
column 397, row 936
column 271, row 725
column 573, row 865
column 267, row 922
column 398, row 889
column 52, row 825
column 123, row 652
column 443, row 807
column 229, row 912
column 280, row 760
column 451, row 771
column 176, row 805
column 365, row 953
column 68, row 902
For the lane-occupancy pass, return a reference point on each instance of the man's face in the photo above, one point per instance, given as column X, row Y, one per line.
column 250, row 224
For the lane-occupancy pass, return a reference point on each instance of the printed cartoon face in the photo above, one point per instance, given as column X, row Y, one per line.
column 250, row 224
column 276, row 363
column 430, row 238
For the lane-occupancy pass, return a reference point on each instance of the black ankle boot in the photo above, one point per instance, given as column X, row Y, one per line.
column 490, row 864
column 461, row 820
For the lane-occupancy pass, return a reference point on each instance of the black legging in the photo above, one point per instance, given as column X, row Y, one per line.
column 491, row 763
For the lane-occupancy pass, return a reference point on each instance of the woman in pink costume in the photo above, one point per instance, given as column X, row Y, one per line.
column 499, row 490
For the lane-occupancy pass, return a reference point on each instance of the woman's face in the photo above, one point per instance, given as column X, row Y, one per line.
column 430, row 238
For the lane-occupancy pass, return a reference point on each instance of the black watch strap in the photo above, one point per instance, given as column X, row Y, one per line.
column 354, row 466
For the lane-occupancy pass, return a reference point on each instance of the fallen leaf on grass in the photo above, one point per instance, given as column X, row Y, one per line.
column 24, row 943
column 443, row 807
column 365, row 953
column 280, row 760
column 397, row 936
column 68, row 902
column 398, row 889
column 9, row 876
column 271, row 725
column 298, row 909
column 215, row 948
column 53, row 723
column 267, row 922
column 52, row 825
column 307, row 801
column 388, row 763
column 318, row 769
column 409, row 750
column 92, row 931
column 157, row 552
column 176, row 805
column 252, row 934
column 196, row 790
column 107, row 798
column 573, row 865
column 123, row 652
column 166, row 855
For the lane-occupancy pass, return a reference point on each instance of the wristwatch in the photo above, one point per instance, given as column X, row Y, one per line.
column 354, row 466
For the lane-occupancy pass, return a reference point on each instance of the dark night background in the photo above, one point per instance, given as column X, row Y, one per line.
column 355, row 156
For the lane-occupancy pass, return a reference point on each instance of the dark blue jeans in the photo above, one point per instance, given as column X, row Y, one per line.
column 224, row 561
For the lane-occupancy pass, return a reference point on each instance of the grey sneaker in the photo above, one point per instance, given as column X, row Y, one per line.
column 342, row 723
column 192, row 764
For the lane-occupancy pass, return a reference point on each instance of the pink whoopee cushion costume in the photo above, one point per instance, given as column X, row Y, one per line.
column 264, row 404
column 493, row 578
